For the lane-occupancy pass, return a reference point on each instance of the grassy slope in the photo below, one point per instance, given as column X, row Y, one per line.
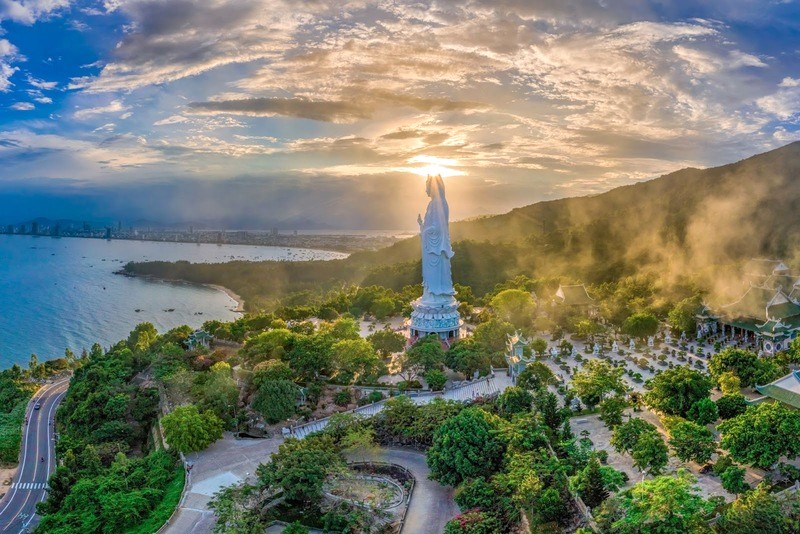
column 162, row 512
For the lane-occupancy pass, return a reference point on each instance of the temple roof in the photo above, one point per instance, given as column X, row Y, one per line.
column 781, row 281
column 785, row 389
column 574, row 295
column 517, row 338
column 765, row 268
column 761, row 303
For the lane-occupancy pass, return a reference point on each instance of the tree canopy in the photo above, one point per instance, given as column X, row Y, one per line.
column 692, row 441
column 762, row 434
column 674, row 391
column 745, row 364
column 468, row 445
column 666, row 504
column 597, row 379
column 188, row 430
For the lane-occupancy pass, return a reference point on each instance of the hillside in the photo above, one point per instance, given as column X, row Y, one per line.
column 685, row 223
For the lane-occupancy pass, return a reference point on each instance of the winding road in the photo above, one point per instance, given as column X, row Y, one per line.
column 18, row 506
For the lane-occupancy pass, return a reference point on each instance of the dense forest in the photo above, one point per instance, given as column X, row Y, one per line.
column 682, row 226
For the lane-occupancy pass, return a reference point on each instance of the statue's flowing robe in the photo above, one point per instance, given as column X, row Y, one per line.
column 437, row 279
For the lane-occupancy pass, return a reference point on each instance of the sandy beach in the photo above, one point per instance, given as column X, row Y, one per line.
column 239, row 300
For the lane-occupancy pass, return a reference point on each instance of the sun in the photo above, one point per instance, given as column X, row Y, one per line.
column 431, row 165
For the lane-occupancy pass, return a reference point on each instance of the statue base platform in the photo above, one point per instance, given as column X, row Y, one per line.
column 440, row 318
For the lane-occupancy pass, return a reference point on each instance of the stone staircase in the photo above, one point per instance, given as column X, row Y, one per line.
column 467, row 392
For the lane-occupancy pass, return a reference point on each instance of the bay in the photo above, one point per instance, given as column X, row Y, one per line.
column 62, row 292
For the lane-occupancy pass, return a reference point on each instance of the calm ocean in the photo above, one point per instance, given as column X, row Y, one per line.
column 61, row 292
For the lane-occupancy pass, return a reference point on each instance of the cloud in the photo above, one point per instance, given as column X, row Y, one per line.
column 8, row 53
column 22, row 106
column 783, row 103
column 173, row 119
column 41, row 84
column 115, row 106
column 30, row 11
column 362, row 106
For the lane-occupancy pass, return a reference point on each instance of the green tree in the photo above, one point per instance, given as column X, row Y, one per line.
column 142, row 336
column 492, row 497
column 729, row 383
column 468, row 445
column 300, row 468
column 546, row 403
column 467, row 356
column 731, row 405
column 597, row 379
column 309, row 356
column 762, row 434
column 674, row 391
column 703, row 412
column 681, row 317
column 593, row 490
column 514, row 400
column 626, row 435
column 295, row 528
column 750, row 369
column 436, row 379
column 641, row 325
column 650, row 454
column 355, row 359
column 473, row 522
column 425, row 354
column 269, row 345
column 733, row 480
column 758, row 511
column 611, row 410
column 536, row 375
column 188, row 430
column 387, row 342
column 276, row 400
column 538, row 345
column 692, row 441
column 666, row 504
column 216, row 391
column 514, row 306
column 271, row 370
column 492, row 334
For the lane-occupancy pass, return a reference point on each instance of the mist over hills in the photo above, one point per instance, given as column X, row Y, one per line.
column 690, row 225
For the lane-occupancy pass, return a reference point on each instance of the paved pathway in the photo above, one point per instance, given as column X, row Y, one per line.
column 226, row 462
column 230, row 461
column 18, row 507
column 432, row 504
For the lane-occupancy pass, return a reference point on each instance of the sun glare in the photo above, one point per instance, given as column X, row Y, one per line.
column 431, row 165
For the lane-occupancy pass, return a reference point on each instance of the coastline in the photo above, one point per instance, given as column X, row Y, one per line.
column 232, row 294
column 239, row 300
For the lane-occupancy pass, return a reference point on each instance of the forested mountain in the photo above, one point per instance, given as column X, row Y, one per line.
column 687, row 224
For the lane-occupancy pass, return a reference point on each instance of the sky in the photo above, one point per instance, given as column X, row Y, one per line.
column 312, row 113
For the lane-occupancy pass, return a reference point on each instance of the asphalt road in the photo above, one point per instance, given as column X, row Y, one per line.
column 18, row 506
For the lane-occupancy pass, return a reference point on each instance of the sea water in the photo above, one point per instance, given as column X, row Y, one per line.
column 62, row 292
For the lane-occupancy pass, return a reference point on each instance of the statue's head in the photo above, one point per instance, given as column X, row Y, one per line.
column 434, row 186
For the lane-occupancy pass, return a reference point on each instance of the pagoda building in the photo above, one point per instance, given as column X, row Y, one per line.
column 766, row 316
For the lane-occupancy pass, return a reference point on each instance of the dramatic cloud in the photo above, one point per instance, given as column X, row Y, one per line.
column 518, row 100
column 362, row 106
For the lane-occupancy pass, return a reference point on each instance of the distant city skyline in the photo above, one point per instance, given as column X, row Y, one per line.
column 285, row 112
